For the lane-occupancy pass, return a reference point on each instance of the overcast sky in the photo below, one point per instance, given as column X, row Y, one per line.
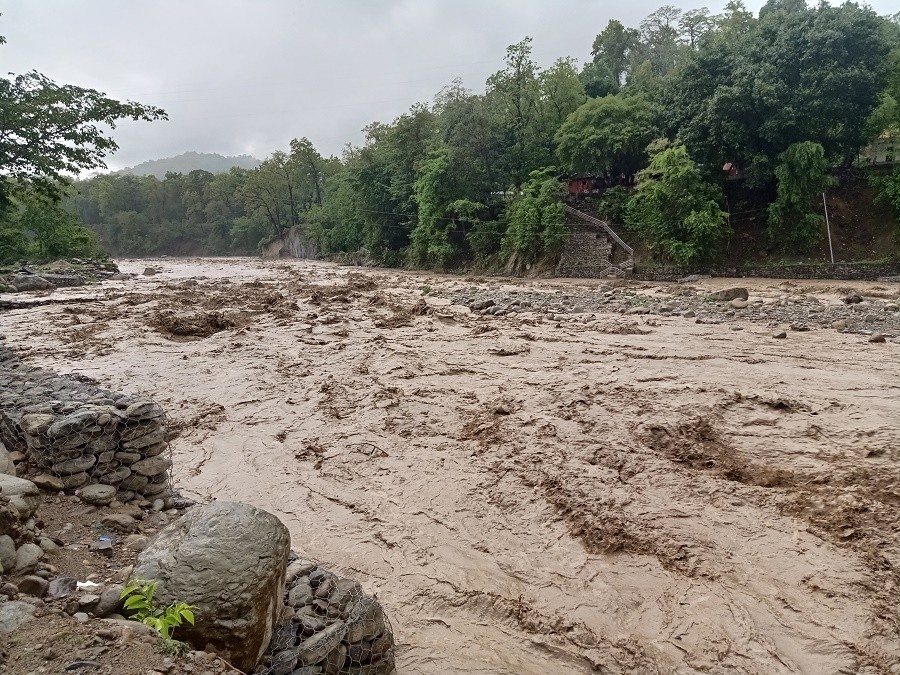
column 241, row 76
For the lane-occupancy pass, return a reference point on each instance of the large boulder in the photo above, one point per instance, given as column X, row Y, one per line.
column 30, row 282
column 728, row 294
column 23, row 494
column 228, row 560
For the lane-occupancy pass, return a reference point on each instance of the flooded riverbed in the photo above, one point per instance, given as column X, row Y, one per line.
column 537, row 493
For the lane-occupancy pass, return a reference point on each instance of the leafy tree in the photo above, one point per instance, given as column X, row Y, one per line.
column 889, row 189
column 677, row 211
column 607, row 134
column 50, row 131
column 536, row 217
column 611, row 51
column 514, row 91
column 430, row 239
column 757, row 87
column 693, row 25
column 35, row 226
column 660, row 33
column 802, row 175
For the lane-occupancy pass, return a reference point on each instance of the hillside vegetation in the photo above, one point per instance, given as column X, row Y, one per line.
column 789, row 99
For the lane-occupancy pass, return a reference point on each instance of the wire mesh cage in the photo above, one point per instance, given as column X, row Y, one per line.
column 68, row 434
column 329, row 625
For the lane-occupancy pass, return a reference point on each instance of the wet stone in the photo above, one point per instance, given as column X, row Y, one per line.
column 98, row 495
column 152, row 438
column 151, row 466
column 75, row 480
column 74, row 466
column 128, row 457
column 143, row 410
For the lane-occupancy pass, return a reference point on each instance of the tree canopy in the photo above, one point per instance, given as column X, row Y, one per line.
column 786, row 98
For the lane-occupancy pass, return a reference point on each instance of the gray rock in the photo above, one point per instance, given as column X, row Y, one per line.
column 64, row 280
column 73, row 466
column 75, row 480
column 876, row 338
column 48, row 545
column 146, row 440
column 134, row 482
column 110, row 601
column 7, row 465
column 115, row 476
column 228, row 560
column 73, row 423
column 128, row 457
column 283, row 662
column 7, row 552
column 62, row 587
column 33, row 585
column 366, row 620
column 730, row 294
column 24, row 495
column 738, row 303
column 144, row 410
column 314, row 650
column 639, row 310
column 300, row 594
column 48, row 483
column 81, row 617
column 152, row 466
column 14, row 614
column 35, row 424
column 30, row 282
column 98, row 495
column 120, row 522
column 150, row 271
column 102, row 546
column 780, row 335
column 135, row 542
column 27, row 558
column 299, row 568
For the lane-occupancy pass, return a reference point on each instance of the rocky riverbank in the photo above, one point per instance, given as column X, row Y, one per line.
column 875, row 313
column 59, row 274
column 65, row 559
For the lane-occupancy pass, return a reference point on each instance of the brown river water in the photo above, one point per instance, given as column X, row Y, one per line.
column 527, row 495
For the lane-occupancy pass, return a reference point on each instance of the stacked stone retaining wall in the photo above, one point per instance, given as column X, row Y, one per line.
column 842, row 271
column 66, row 434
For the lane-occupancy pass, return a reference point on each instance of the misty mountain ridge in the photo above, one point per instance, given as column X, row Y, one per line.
column 191, row 161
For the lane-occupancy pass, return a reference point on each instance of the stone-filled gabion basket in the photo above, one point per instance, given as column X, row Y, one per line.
column 68, row 434
column 329, row 626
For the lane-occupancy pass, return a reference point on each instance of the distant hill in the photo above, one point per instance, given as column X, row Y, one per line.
column 189, row 161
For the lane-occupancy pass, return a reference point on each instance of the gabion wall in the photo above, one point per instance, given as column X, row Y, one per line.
column 66, row 434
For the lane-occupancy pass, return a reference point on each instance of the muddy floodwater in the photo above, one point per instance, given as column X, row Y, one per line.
column 541, row 492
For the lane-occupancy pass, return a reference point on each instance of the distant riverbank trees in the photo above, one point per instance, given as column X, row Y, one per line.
column 49, row 132
column 782, row 98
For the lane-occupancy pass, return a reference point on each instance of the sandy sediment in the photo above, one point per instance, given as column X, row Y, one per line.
column 527, row 494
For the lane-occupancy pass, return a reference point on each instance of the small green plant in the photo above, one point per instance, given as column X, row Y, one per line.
column 139, row 597
column 426, row 290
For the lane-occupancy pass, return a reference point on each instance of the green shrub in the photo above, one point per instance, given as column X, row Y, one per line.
column 139, row 597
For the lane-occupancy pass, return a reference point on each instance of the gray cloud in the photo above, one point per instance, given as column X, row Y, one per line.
column 246, row 77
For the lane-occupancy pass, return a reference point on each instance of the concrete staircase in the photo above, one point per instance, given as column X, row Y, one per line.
column 588, row 253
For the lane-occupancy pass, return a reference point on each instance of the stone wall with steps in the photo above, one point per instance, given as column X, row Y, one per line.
column 66, row 433
column 587, row 252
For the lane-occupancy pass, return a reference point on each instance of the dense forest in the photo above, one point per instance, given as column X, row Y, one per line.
column 790, row 100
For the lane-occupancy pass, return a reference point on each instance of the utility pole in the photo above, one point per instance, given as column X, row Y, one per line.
column 828, row 227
